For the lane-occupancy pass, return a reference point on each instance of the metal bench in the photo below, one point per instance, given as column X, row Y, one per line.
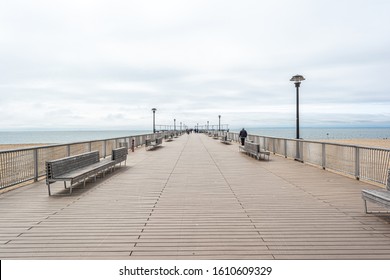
column 381, row 197
column 168, row 137
column 119, row 155
column 80, row 167
column 254, row 149
column 153, row 143
column 226, row 140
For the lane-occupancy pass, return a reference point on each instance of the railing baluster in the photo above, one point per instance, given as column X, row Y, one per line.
column 367, row 163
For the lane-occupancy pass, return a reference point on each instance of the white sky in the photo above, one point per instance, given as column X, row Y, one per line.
column 103, row 64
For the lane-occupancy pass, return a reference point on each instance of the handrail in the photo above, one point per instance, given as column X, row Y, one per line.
column 362, row 162
column 25, row 164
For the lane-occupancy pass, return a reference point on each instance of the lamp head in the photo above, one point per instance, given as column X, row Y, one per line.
column 297, row 78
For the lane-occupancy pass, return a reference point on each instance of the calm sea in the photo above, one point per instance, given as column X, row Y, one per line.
column 51, row 137
column 324, row 133
column 55, row 137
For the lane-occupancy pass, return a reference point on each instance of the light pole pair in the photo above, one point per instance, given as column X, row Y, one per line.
column 154, row 121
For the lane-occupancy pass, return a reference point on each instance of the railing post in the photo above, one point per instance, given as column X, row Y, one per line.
column 36, row 171
column 388, row 180
column 323, row 156
column 273, row 145
column 285, row 148
column 104, row 148
column 68, row 150
column 301, row 143
column 357, row 163
column 299, row 151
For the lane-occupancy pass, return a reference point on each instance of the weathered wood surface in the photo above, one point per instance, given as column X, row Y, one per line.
column 197, row 199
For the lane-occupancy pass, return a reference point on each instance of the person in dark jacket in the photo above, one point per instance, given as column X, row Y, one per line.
column 243, row 134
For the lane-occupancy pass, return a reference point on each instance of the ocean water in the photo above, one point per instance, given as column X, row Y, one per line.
column 54, row 137
column 311, row 133
column 59, row 137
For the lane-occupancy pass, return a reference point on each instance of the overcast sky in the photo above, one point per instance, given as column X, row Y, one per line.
column 104, row 64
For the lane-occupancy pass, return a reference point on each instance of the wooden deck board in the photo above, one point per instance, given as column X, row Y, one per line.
column 195, row 198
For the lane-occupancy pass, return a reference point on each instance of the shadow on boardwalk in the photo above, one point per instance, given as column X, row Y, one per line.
column 196, row 199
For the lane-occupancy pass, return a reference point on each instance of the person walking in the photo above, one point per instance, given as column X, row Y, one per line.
column 243, row 134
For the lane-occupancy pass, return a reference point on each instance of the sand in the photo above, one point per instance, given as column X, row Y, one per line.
column 375, row 143
column 18, row 146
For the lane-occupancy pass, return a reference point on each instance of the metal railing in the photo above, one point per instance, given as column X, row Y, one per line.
column 370, row 164
column 26, row 164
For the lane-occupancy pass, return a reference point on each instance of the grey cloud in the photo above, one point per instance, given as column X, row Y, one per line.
column 193, row 61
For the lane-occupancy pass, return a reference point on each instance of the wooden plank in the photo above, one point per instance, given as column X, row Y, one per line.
column 197, row 199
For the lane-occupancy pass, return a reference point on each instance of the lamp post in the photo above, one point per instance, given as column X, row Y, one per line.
column 174, row 124
column 297, row 81
column 154, row 119
column 219, row 123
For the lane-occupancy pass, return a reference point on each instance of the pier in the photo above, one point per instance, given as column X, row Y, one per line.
column 195, row 198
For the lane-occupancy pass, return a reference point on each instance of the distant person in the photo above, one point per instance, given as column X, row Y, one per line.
column 243, row 134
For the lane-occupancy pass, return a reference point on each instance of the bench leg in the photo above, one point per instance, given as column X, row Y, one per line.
column 365, row 206
column 373, row 212
column 48, row 188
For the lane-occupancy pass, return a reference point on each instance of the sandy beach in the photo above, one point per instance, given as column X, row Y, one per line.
column 18, row 146
column 375, row 143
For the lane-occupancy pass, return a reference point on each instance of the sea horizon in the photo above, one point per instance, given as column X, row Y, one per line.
column 309, row 133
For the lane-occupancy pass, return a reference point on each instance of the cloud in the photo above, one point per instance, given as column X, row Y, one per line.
column 88, row 62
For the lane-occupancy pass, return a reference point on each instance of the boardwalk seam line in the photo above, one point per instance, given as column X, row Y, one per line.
column 231, row 189
column 162, row 190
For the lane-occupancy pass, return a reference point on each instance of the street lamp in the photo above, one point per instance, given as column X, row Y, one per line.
column 174, row 124
column 297, row 81
column 219, row 124
column 154, row 119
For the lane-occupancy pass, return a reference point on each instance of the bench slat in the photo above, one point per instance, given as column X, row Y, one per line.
column 81, row 167
column 255, row 150
column 153, row 142
column 381, row 197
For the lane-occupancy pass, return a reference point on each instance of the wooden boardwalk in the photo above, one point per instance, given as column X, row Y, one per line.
column 195, row 198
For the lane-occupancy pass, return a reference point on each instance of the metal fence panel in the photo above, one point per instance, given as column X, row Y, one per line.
column 372, row 164
column 21, row 165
